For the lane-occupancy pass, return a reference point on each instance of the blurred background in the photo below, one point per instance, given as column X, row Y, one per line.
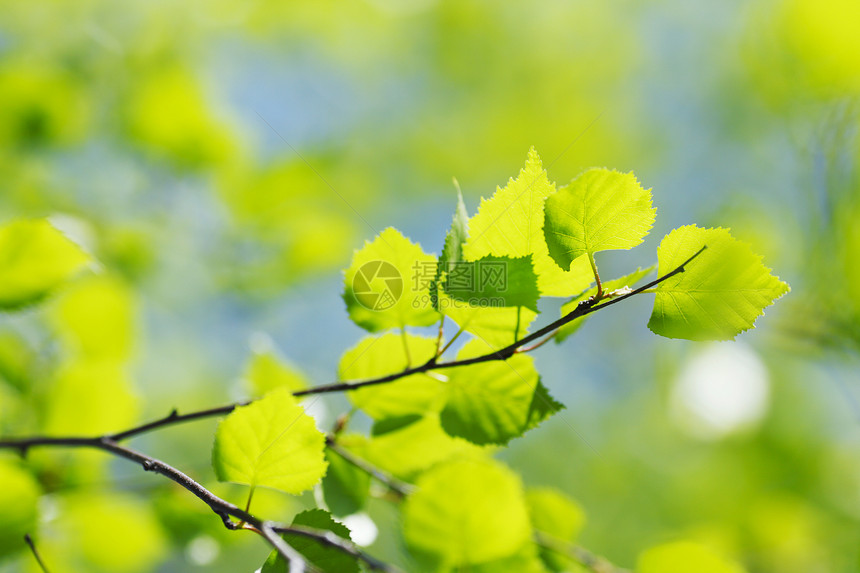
column 222, row 159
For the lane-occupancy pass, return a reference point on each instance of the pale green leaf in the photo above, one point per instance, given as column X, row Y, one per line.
column 387, row 285
column 452, row 250
column 684, row 557
column 266, row 371
column 466, row 511
column 608, row 287
column 414, row 447
column 35, row 259
column 386, row 354
column 18, row 498
column 492, row 402
column 510, row 224
column 720, row 293
column 326, row 558
column 272, row 443
column 600, row 210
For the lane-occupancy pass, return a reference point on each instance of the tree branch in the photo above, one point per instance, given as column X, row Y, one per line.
column 584, row 557
column 224, row 509
column 585, row 307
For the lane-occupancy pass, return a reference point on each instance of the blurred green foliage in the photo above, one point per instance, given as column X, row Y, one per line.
column 220, row 160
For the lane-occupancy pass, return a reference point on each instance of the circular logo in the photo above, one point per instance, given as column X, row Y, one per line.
column 377, row 285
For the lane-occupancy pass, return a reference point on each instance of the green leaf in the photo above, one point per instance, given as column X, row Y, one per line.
column 608, row 287
column 325, row 557
column 380, row 355
column 600, row 210
column 493, row 281
column 18, row 498
column 413, row 448
column 492, row 402
column 555, row 515
column 345, row 487
column 35, row 259
column 452, row 250
column 272, row 443
column 683, row 557
column 465, row 512
column 388, row 284
column 721, row 292
column 510, row 224
column 266, row 371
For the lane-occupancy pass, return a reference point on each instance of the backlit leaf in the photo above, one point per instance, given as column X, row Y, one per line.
column 345, row 486
column 466, row 511
column 18, row 498
column 35, row 258
column 386, row 354
column 600, row 210
column 721, row 292
column 510, row 224
column 271, row 442
column 388, row 284
column 684, row 557
column 492, row 402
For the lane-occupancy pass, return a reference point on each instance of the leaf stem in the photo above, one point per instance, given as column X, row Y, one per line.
column 405, row 339
column 35, row 552
column 593, row 263
column 584, row 557
column 450, row 342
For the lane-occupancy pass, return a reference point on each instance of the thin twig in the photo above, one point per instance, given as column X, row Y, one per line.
column 224, row 509
column 29, row 541
column 400, row 487
column 585, row 307
column 584, row 557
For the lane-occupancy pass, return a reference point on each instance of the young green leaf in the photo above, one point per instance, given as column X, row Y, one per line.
column 272, row 443
column 608, row 287
column 600, row 210
column 452, row 250
column 388, row 284
column 381, row 355
column 411, row 449
column 492, row 402
column 465, row 512
column 511, row 224
column 323, row 556
column 493, row 282
column 720, row 293
column 35, row 259
column 683, row 557
column 497, row 326
column 266, row 371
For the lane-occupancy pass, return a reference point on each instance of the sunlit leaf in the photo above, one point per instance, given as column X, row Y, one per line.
column 388, row 284
column 465, row 512
column 414, row 447
column 325, row 557
column 721, row 292
column 492, row 402
column 35, row 258
column 272, row 443
column 18, row 498
column 386, row 354
column 496, row 326
column 493, row 281
column 600, row 210
column 266, row 371
column 510, row 224
column 608, row 287
column 96, row 318
column 684, row 557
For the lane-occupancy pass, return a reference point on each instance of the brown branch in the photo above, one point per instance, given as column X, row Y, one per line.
column 224, row 509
